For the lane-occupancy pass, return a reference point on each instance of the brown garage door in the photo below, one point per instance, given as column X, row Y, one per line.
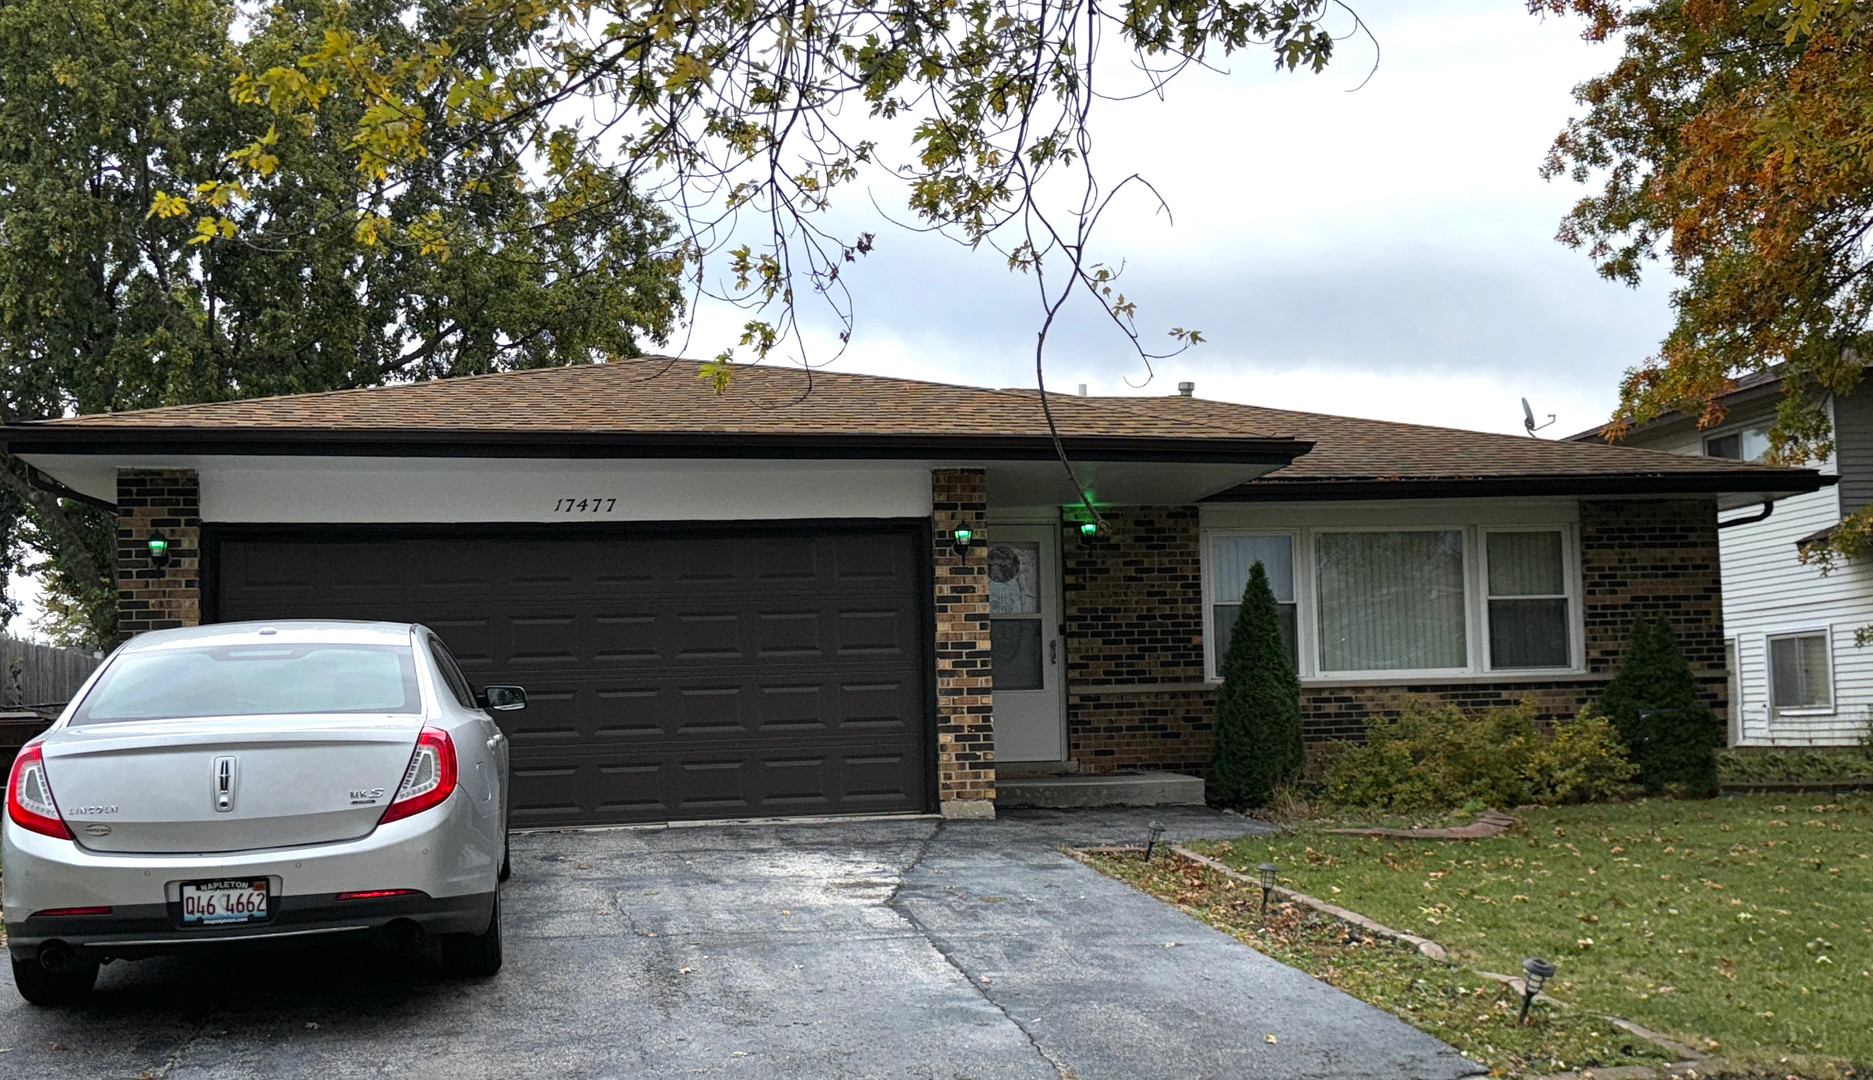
column 670, row 673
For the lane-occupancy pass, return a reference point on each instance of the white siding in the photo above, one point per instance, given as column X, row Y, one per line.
column 1767, row 592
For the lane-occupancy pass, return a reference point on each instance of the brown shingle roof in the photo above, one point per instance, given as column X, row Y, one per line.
column 666, row 396
column 786, row 410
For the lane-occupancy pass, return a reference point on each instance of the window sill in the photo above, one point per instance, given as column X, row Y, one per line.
column 1462, row 678
column 1805, row 711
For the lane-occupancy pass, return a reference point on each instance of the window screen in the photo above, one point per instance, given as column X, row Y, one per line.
column 1798, row 672
column 1230, row 560
column 1528, row 604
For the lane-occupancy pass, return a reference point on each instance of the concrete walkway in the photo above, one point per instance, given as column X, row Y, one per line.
column 887, row 949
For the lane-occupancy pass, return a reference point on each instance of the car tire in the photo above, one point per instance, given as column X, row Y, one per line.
column 43, row 986
column 475, row 956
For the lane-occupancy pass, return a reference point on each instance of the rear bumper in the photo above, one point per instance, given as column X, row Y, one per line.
column 141, row 930
column 441, row 853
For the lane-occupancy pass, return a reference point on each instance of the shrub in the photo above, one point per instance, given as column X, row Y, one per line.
column 1793, row 766
column 1433, row 758
column 1258, row 710
column 1653, row 703
column 1583, row 761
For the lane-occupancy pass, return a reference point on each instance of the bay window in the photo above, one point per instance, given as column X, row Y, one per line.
column 1420, row 599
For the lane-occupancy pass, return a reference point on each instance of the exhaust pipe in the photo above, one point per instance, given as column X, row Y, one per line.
column 56, row 956
column 400, row 935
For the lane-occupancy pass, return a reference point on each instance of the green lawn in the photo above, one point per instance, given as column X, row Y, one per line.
column 1744, row 922
column 1473, row 1014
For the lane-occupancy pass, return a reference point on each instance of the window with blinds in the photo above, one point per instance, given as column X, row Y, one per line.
column 1231, row 556
column 1529, row 619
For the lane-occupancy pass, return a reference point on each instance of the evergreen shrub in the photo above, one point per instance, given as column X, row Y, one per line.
column 1258, row 710
column 1653, row 702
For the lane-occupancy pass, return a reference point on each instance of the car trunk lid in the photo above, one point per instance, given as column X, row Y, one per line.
column 227, row 784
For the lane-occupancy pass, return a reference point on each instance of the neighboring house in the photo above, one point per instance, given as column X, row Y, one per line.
column 858, row 594
column 1798, row 679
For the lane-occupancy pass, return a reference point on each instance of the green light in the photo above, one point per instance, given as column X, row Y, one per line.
column 158, row 546
column 963, row 536
column 1089, row 529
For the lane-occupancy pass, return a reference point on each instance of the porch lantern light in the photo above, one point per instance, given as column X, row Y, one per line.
column 1156, row 833
column 1536, row 973
column 1089, row 529
column 963, row 536
column 158, row 545
column 1266, row 872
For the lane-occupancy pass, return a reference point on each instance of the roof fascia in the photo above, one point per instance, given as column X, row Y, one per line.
column 1780, row 483
column 90, row 439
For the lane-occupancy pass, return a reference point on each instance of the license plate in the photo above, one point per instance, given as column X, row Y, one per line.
column 215, row 903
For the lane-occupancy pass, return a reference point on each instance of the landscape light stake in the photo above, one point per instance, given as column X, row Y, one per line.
column 1536, row 974
column 1151, row 841
column 1267, row 871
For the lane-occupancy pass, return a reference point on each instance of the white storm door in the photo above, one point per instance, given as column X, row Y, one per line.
column 1024, row 638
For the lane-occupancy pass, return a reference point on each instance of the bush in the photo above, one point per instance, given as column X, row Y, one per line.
column 1653, row 703
column 1794, row 766
column 1435, row 758
column 1258, row 710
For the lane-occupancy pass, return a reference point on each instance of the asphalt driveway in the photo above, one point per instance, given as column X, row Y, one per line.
column 890, row 949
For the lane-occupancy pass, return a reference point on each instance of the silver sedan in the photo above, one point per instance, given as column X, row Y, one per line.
column 243, row 785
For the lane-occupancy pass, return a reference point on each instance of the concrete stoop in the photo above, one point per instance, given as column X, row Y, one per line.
column 1111, row 789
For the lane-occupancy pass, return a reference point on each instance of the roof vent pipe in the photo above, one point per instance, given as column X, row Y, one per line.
column 1186, row 389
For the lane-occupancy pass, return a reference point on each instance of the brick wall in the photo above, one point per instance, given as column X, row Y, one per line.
column 1134, row 616
column 1133, row 600
column 151, row 597
column 965, row 710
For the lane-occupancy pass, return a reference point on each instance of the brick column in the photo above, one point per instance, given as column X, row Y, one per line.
column 150, row 597
column 964, row 683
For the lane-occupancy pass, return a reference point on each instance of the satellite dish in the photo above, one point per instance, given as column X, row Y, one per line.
column 1528, row 419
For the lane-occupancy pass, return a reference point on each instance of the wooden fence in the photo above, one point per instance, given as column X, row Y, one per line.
column 34, row 674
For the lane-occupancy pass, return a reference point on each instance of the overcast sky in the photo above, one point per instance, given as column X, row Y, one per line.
column 1387, row 252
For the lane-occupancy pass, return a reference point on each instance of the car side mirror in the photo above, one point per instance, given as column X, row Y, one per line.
column 502, row 698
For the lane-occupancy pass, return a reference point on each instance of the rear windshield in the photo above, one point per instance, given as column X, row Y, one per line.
column 253, row 680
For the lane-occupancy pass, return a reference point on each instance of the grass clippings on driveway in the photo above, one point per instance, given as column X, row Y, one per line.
column 1473, row 1014
column 1744, row 921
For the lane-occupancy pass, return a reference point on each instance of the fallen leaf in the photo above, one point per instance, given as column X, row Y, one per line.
column 1268, row 1038
column 312, row 1026
column 684, row 971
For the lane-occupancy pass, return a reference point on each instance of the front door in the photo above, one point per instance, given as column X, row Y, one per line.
column 1024, row 637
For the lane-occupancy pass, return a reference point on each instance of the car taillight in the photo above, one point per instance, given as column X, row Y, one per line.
column 29, row 796
column 428, row 781
column 377, row 894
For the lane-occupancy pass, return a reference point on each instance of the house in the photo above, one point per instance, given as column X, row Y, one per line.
column 1797, row 676
column 834, row 593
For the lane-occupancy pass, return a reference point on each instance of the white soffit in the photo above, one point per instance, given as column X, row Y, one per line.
column 1114, row 483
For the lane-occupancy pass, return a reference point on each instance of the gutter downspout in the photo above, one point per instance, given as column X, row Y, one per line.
column 1768, row 508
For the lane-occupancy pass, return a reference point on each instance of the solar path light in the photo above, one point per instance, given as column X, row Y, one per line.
column 1266, row 872
column 1151, row 839
column 1537, row 972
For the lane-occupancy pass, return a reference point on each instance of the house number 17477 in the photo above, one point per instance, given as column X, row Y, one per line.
column 585, row 506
